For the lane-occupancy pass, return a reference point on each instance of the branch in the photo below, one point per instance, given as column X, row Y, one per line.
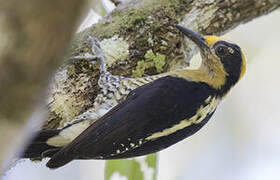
column 34, row 37
column 138, row 38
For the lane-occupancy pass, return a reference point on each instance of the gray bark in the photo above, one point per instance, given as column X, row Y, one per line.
column 34, row 37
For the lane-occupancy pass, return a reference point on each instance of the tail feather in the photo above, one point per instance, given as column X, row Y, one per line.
column 39, row 148
column 59, row 159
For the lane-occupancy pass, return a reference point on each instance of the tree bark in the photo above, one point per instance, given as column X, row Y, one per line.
column 139, row 38
column 34, row 36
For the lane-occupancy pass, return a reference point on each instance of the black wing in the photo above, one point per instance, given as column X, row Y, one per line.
column 148, row 109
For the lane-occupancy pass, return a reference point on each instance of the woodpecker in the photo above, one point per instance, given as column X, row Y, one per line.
column 138, row 116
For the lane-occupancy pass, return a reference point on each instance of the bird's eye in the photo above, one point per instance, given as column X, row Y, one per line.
column 221, row 50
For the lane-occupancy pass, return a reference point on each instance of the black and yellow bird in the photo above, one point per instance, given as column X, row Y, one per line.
column 138, row 116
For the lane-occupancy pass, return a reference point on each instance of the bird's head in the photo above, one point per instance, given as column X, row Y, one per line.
column 220, row 58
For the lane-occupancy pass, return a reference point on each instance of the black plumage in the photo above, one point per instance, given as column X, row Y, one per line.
column 148, row 109
column 39, row 148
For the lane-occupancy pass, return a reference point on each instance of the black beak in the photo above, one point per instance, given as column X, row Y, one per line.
column 198, row 39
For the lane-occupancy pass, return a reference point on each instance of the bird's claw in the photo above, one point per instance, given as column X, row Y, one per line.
column 95, row 49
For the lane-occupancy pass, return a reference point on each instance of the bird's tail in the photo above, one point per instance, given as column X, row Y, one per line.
column 39, row 147
column 59, row 159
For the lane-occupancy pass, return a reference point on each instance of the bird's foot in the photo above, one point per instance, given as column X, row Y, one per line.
column 95, row 49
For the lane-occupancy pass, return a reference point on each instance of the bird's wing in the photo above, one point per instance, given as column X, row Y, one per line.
column 147, row 109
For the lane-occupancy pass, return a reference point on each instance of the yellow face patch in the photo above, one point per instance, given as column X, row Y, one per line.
column 211, row 40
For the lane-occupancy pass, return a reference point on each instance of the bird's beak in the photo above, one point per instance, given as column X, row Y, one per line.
column 198, row 39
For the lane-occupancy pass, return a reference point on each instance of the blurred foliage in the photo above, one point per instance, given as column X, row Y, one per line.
column 142, row 168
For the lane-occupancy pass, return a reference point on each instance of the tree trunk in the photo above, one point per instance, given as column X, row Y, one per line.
column 33, row 38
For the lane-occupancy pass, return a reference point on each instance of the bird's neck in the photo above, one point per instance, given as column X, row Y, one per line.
column 231, row 80
column 220, row 81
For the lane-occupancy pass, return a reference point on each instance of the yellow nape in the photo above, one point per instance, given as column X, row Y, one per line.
column 243, row 66
column 211, row 40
